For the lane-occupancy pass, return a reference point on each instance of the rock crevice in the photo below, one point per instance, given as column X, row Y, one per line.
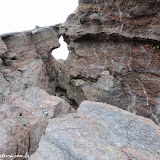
column 113, row 58
column 25, row 105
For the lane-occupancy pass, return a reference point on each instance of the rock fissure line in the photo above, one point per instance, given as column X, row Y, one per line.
column 109, row 46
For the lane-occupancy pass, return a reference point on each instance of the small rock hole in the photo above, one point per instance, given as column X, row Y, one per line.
column 62, row 52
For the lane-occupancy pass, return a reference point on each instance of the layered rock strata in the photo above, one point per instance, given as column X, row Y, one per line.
column 114, row 55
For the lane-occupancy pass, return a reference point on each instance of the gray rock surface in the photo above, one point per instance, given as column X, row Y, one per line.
column 99, row 132
column 24, row 119
column 114, row 58
column 3, row 47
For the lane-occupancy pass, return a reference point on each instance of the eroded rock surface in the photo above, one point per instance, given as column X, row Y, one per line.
column 24, row 119
column 25, row 103
column 114, row 58
column 99, row 132
column 111, row 56
column 23, row 56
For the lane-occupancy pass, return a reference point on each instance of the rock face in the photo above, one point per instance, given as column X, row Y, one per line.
column 114, row 55
column 99, row 132
column 23, row 56
column 114, row 58
column 24, row 119
column 25, row 105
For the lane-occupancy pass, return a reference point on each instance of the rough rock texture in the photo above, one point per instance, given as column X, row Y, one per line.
column 23, row 59
column 111, row 56
column 99, row 132
column 25, row 105
column 114, row 58
column 24, row 119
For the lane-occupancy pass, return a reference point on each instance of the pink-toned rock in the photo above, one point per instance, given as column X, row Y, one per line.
column 45, row 40
column 25, row 105
column 3, row 47
column 132, row 19
column 22, row 65
column 14, row 138
column 52, row 106
column 117, row 38
column 24, row 119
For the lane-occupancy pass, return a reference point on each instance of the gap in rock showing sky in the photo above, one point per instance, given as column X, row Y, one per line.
column 21, row 15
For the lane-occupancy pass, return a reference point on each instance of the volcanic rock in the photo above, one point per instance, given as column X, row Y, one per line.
column 102, row 132
column 114, row 56
column 25, row 105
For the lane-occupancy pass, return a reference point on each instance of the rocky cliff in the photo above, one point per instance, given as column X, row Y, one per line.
column 99, row 132
column 114, row 55
column 114, row 60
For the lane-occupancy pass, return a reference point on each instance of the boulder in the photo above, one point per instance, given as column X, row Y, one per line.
column 24, row 119
column 102, row 132
column 25, row 102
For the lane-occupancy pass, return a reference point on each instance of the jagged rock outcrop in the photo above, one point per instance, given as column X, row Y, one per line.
column 24, row 119
column 99, row 132
column 25, row 105
column 113, row 57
